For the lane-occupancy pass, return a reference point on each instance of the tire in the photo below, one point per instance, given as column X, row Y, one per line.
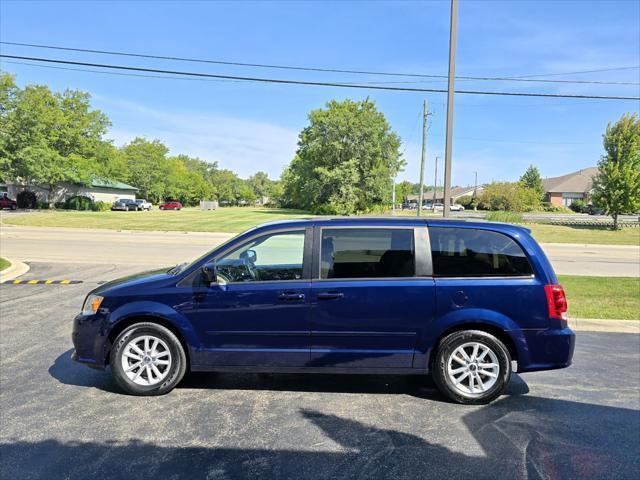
column 468, row 391
column 161, row 207
column 168, row 349
column 14, row 207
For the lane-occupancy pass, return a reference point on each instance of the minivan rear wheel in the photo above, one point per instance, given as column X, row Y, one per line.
column 147, row 359
column 472, row 367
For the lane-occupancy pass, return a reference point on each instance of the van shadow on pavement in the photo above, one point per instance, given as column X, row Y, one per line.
column 522, row 437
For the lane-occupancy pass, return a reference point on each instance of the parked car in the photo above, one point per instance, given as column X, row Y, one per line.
column 409, row 205
column 594, row 210
column 143, row 204
column 170, row 206
column 456, row 207
column 125, row 204
column 438, row 207
column 469, row 302
column 6, row 202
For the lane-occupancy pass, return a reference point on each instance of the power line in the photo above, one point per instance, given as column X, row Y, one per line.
column 313, row 83
column 521, row 78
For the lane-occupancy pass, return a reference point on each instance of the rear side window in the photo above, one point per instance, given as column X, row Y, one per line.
column 366, row 253
column 464, row 252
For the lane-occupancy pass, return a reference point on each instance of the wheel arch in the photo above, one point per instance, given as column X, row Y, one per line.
column 124, row 323
column 499, row 333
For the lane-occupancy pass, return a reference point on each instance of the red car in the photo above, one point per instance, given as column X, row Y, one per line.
column 170, row 206
column 6, row 202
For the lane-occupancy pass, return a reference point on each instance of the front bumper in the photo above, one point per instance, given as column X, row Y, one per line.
column 89, row 340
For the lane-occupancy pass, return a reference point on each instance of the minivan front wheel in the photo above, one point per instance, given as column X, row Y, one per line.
column 472, row 367
column 147, row 359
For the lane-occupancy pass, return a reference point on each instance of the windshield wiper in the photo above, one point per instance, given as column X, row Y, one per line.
column 177, row 268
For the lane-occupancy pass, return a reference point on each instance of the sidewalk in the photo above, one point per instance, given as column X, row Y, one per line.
column 597, row 325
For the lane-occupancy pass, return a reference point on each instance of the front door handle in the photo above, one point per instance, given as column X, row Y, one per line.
column 291, row 296
column 330, row 295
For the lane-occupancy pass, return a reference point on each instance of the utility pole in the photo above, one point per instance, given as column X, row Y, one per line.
column 475, row 184
column 453, row 35
column 435, row 186
column 424, row 156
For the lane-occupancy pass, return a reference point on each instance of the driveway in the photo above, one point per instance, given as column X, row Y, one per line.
column 166, row 248
column 64, row 420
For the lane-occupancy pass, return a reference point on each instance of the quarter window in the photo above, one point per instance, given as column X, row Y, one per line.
column 366, row 253
column 271, row 257
column 463, row 252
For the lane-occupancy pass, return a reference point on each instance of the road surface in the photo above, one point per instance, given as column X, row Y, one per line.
column 37, row 244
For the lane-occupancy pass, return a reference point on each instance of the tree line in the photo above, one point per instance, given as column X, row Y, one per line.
column 345, row 163
column 49, row 138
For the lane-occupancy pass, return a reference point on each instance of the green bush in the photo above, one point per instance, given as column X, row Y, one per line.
column 42, row 205
column 27, row 199
column 79, row 202
column 59, row 205
column 578, row 206
column 506, row 217
column 507, row 196
column 549, row 207
column 101, row 206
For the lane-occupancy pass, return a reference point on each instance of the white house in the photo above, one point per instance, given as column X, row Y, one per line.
column 99, row 190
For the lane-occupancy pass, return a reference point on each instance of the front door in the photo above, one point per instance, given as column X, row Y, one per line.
column 369, row 306
column 258, row 313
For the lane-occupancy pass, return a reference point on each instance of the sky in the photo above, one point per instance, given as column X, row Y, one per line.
column 248, row 127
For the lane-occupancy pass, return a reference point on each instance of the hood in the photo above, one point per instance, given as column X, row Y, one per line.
column 134, row 280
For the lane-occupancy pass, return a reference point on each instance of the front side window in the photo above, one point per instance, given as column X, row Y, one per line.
column 271, row 257
column 366, row 253
column 464, row 252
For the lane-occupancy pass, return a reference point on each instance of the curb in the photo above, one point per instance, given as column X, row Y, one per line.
column 15, row 270
column 597, row 325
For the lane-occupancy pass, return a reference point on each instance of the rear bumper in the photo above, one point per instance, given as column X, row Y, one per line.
column 546, row 349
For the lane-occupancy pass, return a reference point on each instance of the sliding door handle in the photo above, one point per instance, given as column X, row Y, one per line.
column 330, row 295
column 291, row 296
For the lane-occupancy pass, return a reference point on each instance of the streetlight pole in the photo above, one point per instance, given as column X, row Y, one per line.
column 453, row 35
column 435, row 186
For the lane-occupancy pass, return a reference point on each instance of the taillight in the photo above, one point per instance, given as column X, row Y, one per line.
column 556, row 301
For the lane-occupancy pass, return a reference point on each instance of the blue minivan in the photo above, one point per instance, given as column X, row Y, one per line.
column 468, row 302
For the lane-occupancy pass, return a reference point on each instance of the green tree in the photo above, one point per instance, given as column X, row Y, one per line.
column 48, row 138
column 345, row 161
column 403, row 189
column 532, row 179
column 261, row 185
column 147, row 167
column 616, row 187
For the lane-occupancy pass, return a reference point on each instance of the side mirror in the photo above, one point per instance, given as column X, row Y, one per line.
column 210, row 272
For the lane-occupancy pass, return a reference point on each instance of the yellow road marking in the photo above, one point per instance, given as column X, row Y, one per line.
column 32, row 282
column 49, row 282
column 17, row 281
column 64, row 282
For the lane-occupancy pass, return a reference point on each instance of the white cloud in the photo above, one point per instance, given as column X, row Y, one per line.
column 244, row 146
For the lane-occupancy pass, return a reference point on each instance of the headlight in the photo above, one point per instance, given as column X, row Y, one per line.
column 91, row 304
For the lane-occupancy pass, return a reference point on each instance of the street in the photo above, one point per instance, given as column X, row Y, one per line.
column 64, row 420
column 166, row 248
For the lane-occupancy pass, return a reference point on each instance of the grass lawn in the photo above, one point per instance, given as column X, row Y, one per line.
column 602, row 297
column 229, row 219
column 4, row 264
column 584, row 234
column 237, row 219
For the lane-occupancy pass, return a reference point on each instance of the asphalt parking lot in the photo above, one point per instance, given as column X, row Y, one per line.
column 63, row 420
